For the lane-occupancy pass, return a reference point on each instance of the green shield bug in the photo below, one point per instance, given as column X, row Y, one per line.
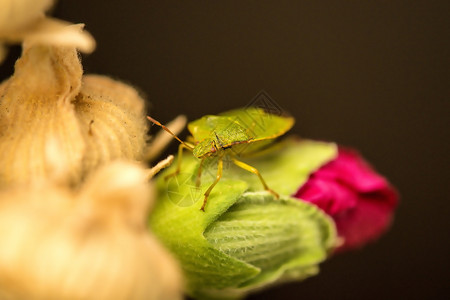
column 233, row 133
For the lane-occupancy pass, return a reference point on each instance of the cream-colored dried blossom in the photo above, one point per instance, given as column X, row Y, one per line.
column 24, row 20
column 112, row 119
column 48, row 104
column 90, row 244
column 19, row 14
column 35, row 109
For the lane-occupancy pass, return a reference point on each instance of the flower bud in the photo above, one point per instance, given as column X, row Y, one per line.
column 18, row 14
column 360, row 201
column 89, row 244
column 47, row 106
column 36, row 112
column 23, row 21
column 111, row 119
column 246, row 239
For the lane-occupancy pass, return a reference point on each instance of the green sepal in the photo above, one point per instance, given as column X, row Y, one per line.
column 285, row 238
column 285, row 166
column 211, row 270
column 181, row 229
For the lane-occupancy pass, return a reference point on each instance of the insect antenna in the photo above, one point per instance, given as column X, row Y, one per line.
column 170, row 132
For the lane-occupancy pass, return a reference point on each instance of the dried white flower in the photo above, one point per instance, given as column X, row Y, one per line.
column 25, row 21
column 47, row 104
column 17, row 15
column 90, row 244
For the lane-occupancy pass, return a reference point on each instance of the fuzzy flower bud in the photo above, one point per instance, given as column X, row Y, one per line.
column 246, row 239
column 88, row 244
column 24, row 21
column 47, row 107
column 16, row 15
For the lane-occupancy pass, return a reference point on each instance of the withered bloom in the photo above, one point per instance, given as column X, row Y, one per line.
column 47, row 103
column 72, row 222
column 89, row 244
column 24, row 20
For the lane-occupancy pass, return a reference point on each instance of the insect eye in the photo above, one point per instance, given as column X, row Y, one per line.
column 213, row 147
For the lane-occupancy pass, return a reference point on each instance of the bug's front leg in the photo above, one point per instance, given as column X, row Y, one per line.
column 218, row 176
column 180, row 156
column 254, row 171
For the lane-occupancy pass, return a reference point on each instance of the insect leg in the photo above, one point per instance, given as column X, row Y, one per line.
column 218, row 176
column 249, row 168
column 199, row 173
column 180, row 156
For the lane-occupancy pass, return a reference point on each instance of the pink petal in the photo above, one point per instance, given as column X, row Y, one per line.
column 359, row 200
column 363, row 224
column 350, row 169
column 330, row 196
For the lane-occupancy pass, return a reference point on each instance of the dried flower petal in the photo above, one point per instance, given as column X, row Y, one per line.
column 56, row 32
column 35, row 108
column 18, row 14
column 47, row 104
column 24, row 21
column 112, row 121
column 159, row 166
column 57, row 244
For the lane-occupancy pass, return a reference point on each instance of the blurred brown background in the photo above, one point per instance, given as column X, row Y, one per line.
column 369, row 74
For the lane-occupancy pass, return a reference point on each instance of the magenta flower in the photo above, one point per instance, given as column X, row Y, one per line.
column 360, row 201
